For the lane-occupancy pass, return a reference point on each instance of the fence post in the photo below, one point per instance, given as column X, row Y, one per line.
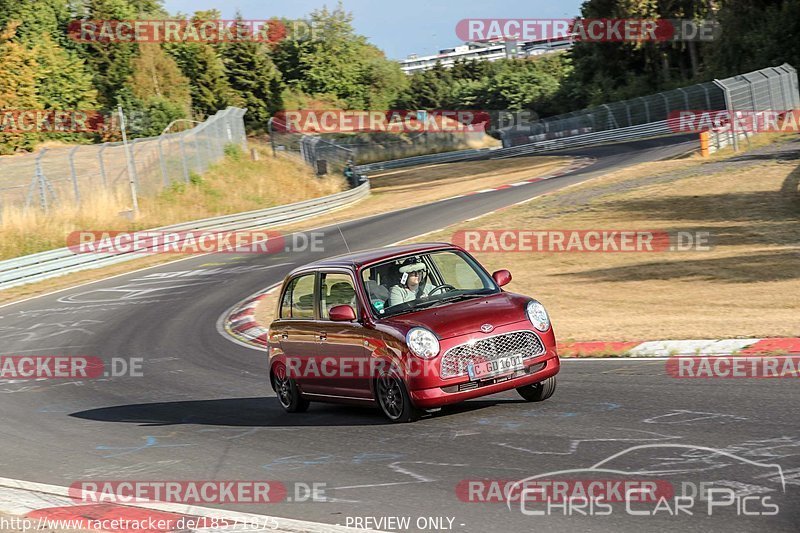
column 708, row 100
column 74, row 175
column 646, row 111
column 40, row 179
column 241, row 128
column 685, row 98
column 271, row 136
column 729, row 107
column 131, row 163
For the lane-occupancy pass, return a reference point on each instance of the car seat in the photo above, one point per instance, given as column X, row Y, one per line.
column 342, row 293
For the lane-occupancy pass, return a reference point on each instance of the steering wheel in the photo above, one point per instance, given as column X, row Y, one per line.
column 441, row 287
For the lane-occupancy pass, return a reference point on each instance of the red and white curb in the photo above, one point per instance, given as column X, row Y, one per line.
column 577, row 164
column 669, row 348
column 43, row 504
column 239, row 322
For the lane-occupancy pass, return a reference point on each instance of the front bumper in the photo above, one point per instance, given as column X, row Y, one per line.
column 439, row 396
column 435, row 391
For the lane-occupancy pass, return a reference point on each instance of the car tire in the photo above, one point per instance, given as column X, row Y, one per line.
column 288, row 392
column 538, row 392
column 394, row 400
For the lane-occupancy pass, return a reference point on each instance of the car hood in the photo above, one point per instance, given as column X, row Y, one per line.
column 464, row 317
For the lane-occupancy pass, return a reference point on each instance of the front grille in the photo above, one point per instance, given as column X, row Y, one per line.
column 455, row 360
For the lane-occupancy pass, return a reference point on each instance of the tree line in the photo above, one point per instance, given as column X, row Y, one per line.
column 41, row 67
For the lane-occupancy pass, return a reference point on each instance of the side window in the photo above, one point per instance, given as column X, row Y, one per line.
column 298, row 300
column 336, row 289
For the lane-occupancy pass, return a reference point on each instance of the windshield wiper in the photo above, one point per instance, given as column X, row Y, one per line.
column 434, row 303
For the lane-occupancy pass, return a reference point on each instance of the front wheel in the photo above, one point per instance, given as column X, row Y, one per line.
column 538, row 392
column 392, row 396
column 288, row 393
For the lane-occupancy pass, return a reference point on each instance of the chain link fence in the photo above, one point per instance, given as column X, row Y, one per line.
column 774, row 88
column 330, row 153
column 63, row 176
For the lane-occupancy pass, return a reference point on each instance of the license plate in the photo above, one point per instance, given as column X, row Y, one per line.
column 493, row 368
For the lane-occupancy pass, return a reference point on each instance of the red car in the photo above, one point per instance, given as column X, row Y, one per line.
column 411, row 328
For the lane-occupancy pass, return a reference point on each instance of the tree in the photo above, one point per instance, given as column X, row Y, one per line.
column 254, row 79
column 609, row 71
column 63, row 80
column 756, row 35
column 111, row 62
column 156, row 75
column 202, row 64
column 336, row 63
column 18, row 73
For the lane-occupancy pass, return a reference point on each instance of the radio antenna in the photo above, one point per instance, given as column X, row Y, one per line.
column 345, row 240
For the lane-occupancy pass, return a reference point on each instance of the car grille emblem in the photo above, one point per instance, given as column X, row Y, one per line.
column 486, row 328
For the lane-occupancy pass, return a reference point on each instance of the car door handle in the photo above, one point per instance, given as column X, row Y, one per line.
column 323, row 337
column 284, row 336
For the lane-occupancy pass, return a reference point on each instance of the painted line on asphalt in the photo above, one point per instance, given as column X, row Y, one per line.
column 24, row 497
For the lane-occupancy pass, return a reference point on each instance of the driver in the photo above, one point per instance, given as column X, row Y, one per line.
column 413, row 284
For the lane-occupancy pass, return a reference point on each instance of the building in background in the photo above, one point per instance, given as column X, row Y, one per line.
column 489, row 51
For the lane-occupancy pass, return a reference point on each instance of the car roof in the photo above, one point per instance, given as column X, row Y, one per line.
column 355, row 260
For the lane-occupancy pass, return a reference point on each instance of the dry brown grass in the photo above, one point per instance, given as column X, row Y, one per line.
column 747, row 286
column 409, row 187
column 372, row 205
column 231, row 186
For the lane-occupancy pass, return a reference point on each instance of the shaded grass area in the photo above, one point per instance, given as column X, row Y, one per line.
column 233, row 185
column 746, row 285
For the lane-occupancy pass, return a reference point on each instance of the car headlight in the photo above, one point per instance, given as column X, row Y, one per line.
column 538, row 316
column 422, row 343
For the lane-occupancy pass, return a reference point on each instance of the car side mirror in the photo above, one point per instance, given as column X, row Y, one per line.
column 502, row 277
column 342, row 313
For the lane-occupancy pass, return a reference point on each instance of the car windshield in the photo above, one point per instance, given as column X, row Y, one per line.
column 411, row 282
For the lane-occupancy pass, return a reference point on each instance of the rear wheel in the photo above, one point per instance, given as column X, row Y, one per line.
column 393, row 398
column 288, row 393
column 538, row 392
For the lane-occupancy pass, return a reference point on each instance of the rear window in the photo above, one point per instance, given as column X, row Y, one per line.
column 298, row 299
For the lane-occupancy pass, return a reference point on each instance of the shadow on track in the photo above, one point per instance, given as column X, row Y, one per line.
column 247, row 412
column 254, row 412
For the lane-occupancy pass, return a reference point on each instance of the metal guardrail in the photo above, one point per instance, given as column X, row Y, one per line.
column 442, row 157
column 642, row 131
column 46, row 265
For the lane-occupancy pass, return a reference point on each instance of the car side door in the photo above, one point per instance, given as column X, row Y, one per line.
column 341, row 352
column 297, row 329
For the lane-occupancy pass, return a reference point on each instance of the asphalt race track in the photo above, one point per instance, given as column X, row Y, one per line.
column 203, row 409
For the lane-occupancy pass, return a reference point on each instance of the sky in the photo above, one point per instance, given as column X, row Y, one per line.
column 398, row 27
